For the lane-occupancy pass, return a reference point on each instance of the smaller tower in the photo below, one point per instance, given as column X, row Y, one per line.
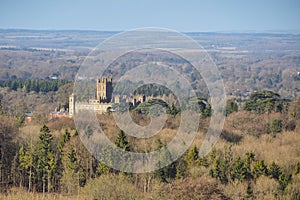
column 72, row 101
column 117, row 98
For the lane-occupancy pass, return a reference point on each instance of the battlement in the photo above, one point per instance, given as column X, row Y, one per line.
column 104, row 79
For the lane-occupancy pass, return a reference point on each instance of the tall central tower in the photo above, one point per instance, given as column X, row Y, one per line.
column 104, row 89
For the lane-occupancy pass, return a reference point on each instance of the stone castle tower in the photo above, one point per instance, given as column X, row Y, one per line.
column 72, row 100
column 104, row 90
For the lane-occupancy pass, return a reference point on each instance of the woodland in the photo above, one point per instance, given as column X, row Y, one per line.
column 256, row 157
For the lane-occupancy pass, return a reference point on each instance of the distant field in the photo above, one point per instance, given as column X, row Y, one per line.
column 247, row 61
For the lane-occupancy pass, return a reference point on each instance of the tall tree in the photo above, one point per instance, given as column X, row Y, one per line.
column 45, row 159
column 63, row 139
column 121, row 141
column 165, row 171
column 26, row 164
column 192, row 156
column 70, row 179
column 239, row 171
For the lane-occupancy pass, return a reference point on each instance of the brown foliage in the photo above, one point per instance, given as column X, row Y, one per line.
column 248, row 123
column 61, row 123
column 189, row 188
column 8, row 147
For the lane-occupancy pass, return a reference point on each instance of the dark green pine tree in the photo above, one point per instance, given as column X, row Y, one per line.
column 105, row 160
column 45, row 163
column 192, row 156
column 231, row 106
column 260, row 168
column 122, row 142
column 45, row 139
column 165, row 171
column 102, row 169
column 76, row 133
column 172, row 110
column 22, row 162
column 124, row 161
column 221, row 168
column 284, row 180
column 239, row 171
column 225, row 170
column 212, row 156
column 181, row 169
column 215, row 170
column 274, row 171
column 26, row 158
column 70, row 176
column 207, row 111
column 296, row 169
column 250, row 157
column 64, row 138
column 72, row 160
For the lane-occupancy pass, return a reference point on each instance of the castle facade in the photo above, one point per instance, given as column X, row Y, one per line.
column 100, row 104
column 103, row 99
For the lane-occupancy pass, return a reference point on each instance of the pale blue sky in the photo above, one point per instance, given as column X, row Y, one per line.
column 193, row 15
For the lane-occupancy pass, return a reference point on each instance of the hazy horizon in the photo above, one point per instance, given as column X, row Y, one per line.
column 192, row 16
column 188, row 32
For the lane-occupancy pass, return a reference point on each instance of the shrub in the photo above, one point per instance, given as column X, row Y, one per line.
column 265, row 188
column 290, row 125
column 284, row 180
column 231, row 106
column 276, row 126
column 292, row 191
column 111, row 187
column 189, row 188
column 231, row 137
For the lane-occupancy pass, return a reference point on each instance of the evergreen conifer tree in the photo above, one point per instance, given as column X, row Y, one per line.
column 274, row 171
column 121, row 141
column 260, row 168
column 45, row 163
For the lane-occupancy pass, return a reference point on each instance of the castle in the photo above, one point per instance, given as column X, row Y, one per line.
column 101, row 103
column 103, row 99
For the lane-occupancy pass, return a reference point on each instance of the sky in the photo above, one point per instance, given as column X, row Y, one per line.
column 121, row 15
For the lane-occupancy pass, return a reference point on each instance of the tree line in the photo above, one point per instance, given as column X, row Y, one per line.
column 36, row 85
